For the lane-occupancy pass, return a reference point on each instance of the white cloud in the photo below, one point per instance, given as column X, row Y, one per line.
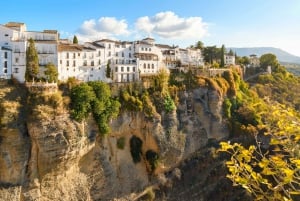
column 104, row 27
column 168, row 25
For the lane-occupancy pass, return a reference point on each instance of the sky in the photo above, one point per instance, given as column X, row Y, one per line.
column 234, row 23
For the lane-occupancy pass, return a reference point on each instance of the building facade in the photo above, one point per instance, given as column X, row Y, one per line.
column 128, row 61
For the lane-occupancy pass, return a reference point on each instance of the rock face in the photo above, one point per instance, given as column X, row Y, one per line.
column 56, row 158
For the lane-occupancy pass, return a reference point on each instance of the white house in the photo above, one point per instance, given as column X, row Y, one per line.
column 13, row 43
column 129, row 60
column 229, row 59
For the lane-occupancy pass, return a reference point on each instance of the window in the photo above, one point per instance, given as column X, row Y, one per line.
column 60, row 62
column 128, row 69
column 79, row 54
column 149, row 49
column 116, row 69
column 68, row 63
column 99, row 62
column 117, row 54
column 16, row 70
column 146, row 49
column 133, row 69
column 74, row 63
column 99, row 53
column 109, row 46
column 5, row 64
column 142, row 49
column 122, row 54
column 92, row 63
column 17, row 60
column 129, row 55
column 84, row 63
column 92, row 69
column 116, row 61
column 109, row 53
column 5, row 55
column 67, row 69
column 74, row 55
column 6, row 35
column 67, row 55
column 122, row 69
column 152, row 66
column 129, row 47
column 5, row 70
column 148, row 66
column 145, row 66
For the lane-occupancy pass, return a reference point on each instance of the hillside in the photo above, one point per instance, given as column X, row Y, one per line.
column 282, row 55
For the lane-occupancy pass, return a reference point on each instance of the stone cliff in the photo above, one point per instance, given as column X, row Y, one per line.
column 44, row 155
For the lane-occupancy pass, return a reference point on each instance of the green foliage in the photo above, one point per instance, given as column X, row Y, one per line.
column 268, row 60
column 160, row 82
column 131, row 102
column 75, row 40
column 148, row 107
column 82, row 97
column 121, row 142
column 32, row 61
column 227, row 108
column 51, row 73
column 108, row 70
column 95, row 98
column 222, row 64
column 152, row 157
column 273, row 173
column 169, row 104
column 282, row 87
column 229, row 77
column 136, row 148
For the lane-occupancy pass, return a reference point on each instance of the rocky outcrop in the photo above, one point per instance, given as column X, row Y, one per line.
column 56, row 158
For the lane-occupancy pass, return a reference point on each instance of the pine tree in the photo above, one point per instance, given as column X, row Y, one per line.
column 75, row 40
column 32, row 61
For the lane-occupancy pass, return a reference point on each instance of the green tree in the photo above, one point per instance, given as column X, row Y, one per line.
column 94, row 98
column 222, row 55
column 108, row 70
column 268, row 60
column 75, row 40
column 32, row 61
column 51, row 73
column 211, row 54
column 199, row 45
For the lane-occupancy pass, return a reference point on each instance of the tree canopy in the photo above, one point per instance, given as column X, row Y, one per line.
column 75, row 40
column 94, row 98
column 51, row 73
column 32, row 61
column 268, row 60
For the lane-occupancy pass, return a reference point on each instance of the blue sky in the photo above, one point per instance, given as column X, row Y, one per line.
column 235, row 23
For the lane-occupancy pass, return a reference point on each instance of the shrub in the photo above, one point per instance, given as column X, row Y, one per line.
column 169, row 104
column 121, row 143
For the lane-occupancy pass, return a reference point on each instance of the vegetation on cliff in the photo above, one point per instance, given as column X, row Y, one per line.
column 94, row 98
column 264, row 155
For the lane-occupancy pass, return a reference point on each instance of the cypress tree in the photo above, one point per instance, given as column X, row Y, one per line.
column 32, row 61
column 75, row 40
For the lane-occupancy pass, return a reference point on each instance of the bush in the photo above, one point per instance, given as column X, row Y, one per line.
column 121, row 143
column 169, row 104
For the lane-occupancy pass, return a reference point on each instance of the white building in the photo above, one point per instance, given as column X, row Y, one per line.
column 13, row 43
column 229, row 59
column 129, row 61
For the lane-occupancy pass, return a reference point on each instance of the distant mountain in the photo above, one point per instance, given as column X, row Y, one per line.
column 282, row 56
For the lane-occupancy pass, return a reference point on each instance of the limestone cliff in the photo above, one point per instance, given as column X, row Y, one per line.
column 44, row 155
